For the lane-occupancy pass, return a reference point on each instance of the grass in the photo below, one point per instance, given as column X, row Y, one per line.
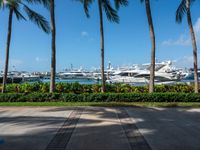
column 102, row 104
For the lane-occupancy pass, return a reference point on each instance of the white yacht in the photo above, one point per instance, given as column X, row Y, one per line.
column 164, row 73
column 72, row 75
column 18, row 77
column 28, row 77
column 75, row 74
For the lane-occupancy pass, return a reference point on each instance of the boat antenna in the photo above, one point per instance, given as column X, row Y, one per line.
column 71, row 66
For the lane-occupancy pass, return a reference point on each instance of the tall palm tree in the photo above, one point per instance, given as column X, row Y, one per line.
column 112, row 16
column 50, row 4
column 153, row 44
column 14, row 8
column 184, row 8
column 53, row 46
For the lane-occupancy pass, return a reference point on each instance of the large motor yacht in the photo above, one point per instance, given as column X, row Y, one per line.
column 164, row 73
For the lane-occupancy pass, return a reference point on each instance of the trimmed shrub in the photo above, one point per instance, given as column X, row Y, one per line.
column 98, row 97
column 77, row 88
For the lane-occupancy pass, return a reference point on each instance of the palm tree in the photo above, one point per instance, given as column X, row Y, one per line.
column 112, row 16
column 184, row 8
column 53, row 46
column 153, row 44
column 14, row 8
column 50, row 4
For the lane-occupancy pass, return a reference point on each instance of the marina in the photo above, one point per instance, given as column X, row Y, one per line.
column 165, row 73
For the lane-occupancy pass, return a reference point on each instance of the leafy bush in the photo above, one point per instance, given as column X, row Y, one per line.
column 44, row 87
column 77, row 88
column 98, row 97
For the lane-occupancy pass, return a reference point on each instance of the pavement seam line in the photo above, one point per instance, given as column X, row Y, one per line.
column 135, row 138
column 63, row 135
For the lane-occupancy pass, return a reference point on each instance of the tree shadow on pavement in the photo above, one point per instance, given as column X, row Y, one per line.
column 100, row 128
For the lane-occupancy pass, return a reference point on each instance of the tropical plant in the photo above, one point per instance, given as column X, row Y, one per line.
column 184, row 8
column 101, row 97
column 112, row 16
column 95, row 88
column 14, row 7
column 153, row 44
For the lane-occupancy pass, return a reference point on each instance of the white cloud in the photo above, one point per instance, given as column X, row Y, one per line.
column 184, row 39
column 197, row 29
column 186, row 61
column 38, row 59
column 84, row 34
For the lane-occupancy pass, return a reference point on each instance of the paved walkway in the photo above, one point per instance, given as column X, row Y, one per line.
column 99, row 128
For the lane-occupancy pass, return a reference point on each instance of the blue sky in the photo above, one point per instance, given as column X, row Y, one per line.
column 78, row 37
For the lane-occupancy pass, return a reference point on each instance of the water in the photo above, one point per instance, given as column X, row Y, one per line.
column 90, row 81
column 191, row 76
column 80, row 81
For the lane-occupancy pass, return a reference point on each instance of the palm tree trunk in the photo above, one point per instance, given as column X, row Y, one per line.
column 103, row 89
column 194, row 45
column 7, row 49
column 53, row 46
column 153, row 48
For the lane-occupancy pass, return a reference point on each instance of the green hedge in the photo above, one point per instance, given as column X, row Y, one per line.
column 134, row 97
column 77, row 88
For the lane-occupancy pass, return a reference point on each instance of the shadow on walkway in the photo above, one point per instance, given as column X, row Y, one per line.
column 100, row 128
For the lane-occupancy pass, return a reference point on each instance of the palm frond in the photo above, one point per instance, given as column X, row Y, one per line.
column 17, row 13
column 86, row 6
column 45, row 3
column 15, row 5
column 119, row 3
column 1, row 3
column 141, row 1
column 181, row 11
column 8, row 3
column 111, row 13
column 37, row 19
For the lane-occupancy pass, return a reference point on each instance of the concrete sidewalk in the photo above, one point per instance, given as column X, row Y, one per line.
column 168, row 128
column 30, row 128
column 99, row 128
